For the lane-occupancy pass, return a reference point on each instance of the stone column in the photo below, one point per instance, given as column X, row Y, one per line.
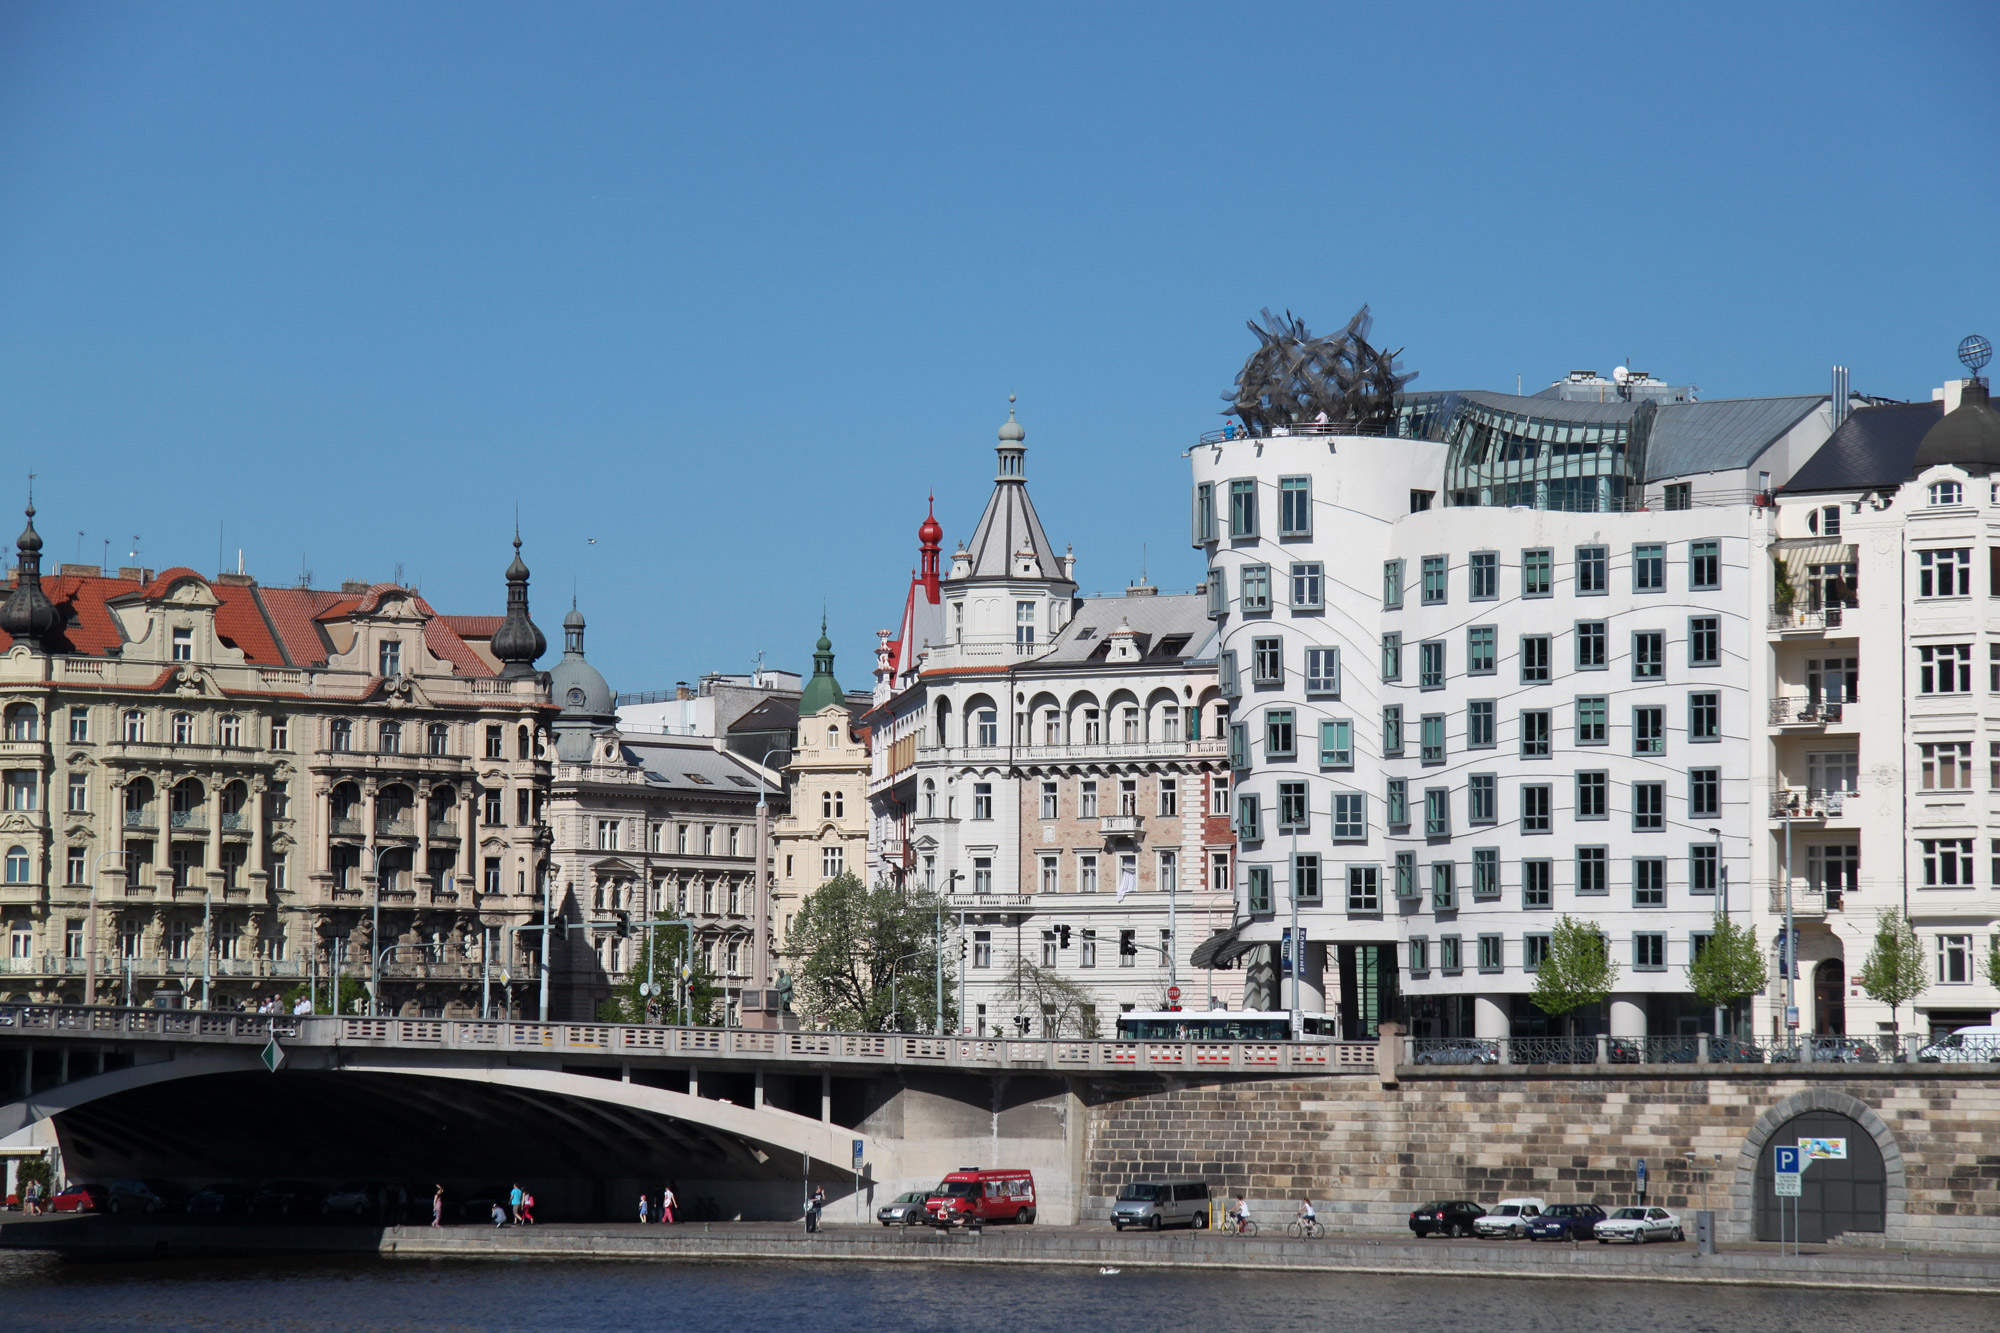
column 1490, row 1018
column 1628, row 1016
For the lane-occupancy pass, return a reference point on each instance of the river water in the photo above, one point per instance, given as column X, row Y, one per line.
column 43, row 1292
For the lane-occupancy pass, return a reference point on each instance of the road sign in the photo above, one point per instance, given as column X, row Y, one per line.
column 273, row 1055
column 1173, row 992
column 859, row 1146
column 1642, row 1168
column 504, row 978
column 1792, row 1017
column 1814, row 1150
column 1789, row 1185
column 1785, row 1161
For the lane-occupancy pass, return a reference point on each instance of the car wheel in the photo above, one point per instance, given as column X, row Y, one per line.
column 1679, row 1234
column 1118, row 1227
column 1153, row 1222
column 1200, row 1222
column 1602, row 1241
column 1021, row 1218
column 1455, row 1230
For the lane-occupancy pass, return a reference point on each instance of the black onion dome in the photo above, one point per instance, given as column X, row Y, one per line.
column 28, row 615
column 517, row 643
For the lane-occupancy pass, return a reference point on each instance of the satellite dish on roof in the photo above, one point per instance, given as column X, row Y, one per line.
column 1621, row 374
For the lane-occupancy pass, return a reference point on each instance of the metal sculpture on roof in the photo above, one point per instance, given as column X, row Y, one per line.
column 1294, row 379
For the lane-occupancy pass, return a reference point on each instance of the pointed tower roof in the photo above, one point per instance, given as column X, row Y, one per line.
column 28, row 615
column 1010, row 524
column 822, row 691
column 517, row 643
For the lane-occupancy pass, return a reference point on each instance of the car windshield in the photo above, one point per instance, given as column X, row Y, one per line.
column 1433, row 1208
column 1634, row 1213
column 1562, row 1210
column 914, row 1196
column 1143, row 1193
column 957, row 1189
column 1507, row 1210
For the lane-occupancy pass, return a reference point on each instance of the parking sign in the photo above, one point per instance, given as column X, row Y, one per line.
column 1785, row 1161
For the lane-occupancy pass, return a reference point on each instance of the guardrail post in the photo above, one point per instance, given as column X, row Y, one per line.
column 1701, row 1048
column 1603, row 1044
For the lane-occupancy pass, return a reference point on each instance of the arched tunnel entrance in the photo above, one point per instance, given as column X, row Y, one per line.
column 582, row 1157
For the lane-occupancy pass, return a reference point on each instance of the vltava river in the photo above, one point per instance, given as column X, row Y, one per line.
column 44, row 1292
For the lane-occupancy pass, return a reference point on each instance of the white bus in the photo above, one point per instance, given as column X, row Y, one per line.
column 1223, row 1025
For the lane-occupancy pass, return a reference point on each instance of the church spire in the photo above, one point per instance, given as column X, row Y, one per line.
column 822, row 691
column 517, row 643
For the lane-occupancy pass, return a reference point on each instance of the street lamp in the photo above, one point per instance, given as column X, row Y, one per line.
column 1722, row 902
column 761, row 940
column 374, row 939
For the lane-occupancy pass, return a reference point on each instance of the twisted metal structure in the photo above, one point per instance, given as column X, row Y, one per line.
column 1295, row 379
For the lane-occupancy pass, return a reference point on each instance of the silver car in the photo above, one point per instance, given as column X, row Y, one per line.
column 1639, row 1225
column 1162, row 1203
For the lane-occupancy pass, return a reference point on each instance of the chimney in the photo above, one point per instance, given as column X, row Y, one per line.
column 1840, row 396
column 681, row 691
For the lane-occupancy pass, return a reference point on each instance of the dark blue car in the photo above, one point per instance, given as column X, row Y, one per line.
column 1566, row 1221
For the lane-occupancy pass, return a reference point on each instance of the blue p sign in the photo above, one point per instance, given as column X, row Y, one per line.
column 1785, row 1161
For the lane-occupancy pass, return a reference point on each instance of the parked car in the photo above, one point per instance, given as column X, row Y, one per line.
column 220, row 1198
column 1638, row 1225
column 1971, row 1045
column 903, row 1210
column 1450, row 1217
column 141, row 1196
column 1161, row 1203
column 1565, row 1221
column 1460, row 1052
column 1509, row 1218
column 352, row 1199
column 1735, row 1051
column 79, row 1199
column 1829, row 1051
column 972, row 1195
column 286, row 1197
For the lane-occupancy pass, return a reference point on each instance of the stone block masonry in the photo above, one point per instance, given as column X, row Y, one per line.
column 1367, row 1154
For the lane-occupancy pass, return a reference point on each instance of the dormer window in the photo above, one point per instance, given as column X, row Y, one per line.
column 390, row 657
column 1945, row 493
column 183, row 645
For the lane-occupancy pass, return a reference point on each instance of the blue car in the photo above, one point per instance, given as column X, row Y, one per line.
column 1566, row 1221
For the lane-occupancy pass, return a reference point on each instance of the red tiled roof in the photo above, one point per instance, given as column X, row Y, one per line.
column 474, row 627
column 294, row 611
column 95, row 632
column 240, row 623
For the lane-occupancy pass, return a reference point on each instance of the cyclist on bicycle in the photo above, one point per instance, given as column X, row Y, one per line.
column 1306, row 1213
column 1242, row 1211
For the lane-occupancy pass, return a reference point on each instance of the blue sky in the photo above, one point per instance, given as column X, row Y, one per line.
column 729, row 288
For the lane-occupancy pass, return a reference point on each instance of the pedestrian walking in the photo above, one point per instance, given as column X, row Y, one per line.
column 437, row 1206
column 514, row 1204
column 642, row 1210
column 814, row 1203
column 527, row 1207
column 667, row 1204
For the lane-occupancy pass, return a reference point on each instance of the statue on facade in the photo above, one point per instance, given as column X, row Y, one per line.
column 784, row 991
column 1294, row 379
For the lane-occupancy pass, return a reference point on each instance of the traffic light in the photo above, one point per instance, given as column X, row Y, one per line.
column 962, row 946
column 1062, row 936
column 559, row 928
column 624, row 925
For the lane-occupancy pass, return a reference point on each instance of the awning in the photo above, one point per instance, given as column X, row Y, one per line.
column 1222, row 948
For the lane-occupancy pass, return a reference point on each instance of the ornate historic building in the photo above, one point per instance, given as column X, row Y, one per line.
column 826, row 832
column 220, row 790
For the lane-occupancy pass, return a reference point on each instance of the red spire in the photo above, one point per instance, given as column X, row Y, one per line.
column 928, row 537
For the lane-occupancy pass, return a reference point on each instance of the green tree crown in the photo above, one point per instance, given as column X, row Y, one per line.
column 693, row 1001
column 867, row 959
column 1578, row 971
column 1894, row 972
column 1729, row 967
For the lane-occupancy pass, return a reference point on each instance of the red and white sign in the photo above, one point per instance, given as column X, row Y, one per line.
column 1173, row 992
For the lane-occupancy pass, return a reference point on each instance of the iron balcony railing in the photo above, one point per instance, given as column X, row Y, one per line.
column 1792, row 616
column 1805, row 711
column 1808, row 803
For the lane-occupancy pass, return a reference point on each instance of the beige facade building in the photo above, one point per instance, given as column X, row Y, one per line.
column 219, row 790
column 826, row 832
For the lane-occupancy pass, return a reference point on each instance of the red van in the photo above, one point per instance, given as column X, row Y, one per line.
column 972, row 1195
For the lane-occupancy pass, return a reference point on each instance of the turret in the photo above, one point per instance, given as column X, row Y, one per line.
column 517, row 643
column 28, row 615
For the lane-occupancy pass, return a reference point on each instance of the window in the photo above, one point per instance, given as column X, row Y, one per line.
column 1392, row 584
column 1392, row 731
column 1486, row 872
column 1086, row 953
column 390, row 658
column 135, row 726
column 1260, row 888
column 1433, row 587
column 1537, row 884
column 1944, row 573
column 19, row 869
column 521, row 798
column 1128, row 796
column 1535, row 734
column 1649, row 806
column 1704, row 866
column 1704, row 716
column 1204, row 512
column 1242, row 509
column 183, row 728
column 1449, row 959
column 491, row 874
column 1248, row 818
column 1944, row 668
column 1308, row 586
column 1534, row 807
column 1593, row 870
column 1649, row 568
column 1430, row 665
column 1649, row 654
column 1267, row 661
column 1350, row 822
column 79, row 793
column 1024, row 624
column 390, row 736
column 988, row 723
column 1336, row 743
column 1649, row 727
column 1280, row 737
column 75, row 865
column 1406, row 874
column 1593, row 795
column 607, row 835
column 1704, row 793
column 1295, row 517
column 1218, row 593
column 1483, row 576
column 1679, row 495
column 1947, row 765
column 1323, row 671
column 1086, row 798
column 1593, row 571
column 438, row 738
column 24, row 789
column 1225, row 680
column 1305, row 878
column 982, row 875
column 1954, row 958
column 1255, row 587
column 1364, row 889
column 1590, row 637
column 491, row 814
column 1704, row 641
column 1479, row 724
column 79, row 725
column 1444, row 887
column 1239, row 745
column 1537, row 573
column 1437, row 812
column 1489, row 953
column 1479, row 650
column 1592, row 712
column 1482, row 799
column 1430, row 738
column 1218, row 872
column 340, row 736
column 183, row 645
column 1704, row 565
column 1292, row 807
column 1947, row 863
column 1649, row 882
column 1169, row 869
column 1048, row 948
column 982, row 800
column 1649, row 952
column 1392, row 657
column 982, row 948
column 1397, row 802
column 494, row 742
column 1420, row 955
column 1944, row 493
column 1534, row 658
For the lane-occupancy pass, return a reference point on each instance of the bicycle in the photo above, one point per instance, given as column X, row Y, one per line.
column 1305, row 1228
column 1242, row 1226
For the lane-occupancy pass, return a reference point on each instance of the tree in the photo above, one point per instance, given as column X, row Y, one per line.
column 1993, row 963
column 1040, row 995
column 1894, row 972
column 353, row 996
column 867, row 958
column 1729, row 966
column 1578, row 970
column 671, row 1004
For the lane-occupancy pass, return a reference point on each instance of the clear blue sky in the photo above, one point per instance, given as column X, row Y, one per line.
column 729, row 287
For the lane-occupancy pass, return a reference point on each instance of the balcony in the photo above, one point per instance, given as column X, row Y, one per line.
column 402, row 827
column 1795, row 618
column 1808, row 900
column 1808, row 803
column 1121, row 826
column 234, row 822
column 339, row 827
column 140, row 819
column 189, row 820
column 442, row 829
column 1805, row 711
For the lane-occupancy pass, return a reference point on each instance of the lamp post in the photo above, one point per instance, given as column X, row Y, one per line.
column 90, row 963
column 760, row 975
column 1721, row 902
column 951, row 882
column 374, row 939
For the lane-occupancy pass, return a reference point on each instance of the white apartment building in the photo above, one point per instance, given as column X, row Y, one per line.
column 1491, row 662
column 1884, row 747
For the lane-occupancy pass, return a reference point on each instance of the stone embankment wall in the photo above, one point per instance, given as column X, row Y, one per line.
column 1367, row 1154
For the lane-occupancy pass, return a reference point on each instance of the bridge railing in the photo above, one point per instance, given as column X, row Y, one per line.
column 101, row 1020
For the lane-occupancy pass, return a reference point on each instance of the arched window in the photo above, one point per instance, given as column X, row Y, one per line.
column 826, row 805
column 183, row 728
column 21, row 722
column 135, row 726
column 17, row 865
column 833, row 736
column 930, row 799
column 1946, row 493
column 341, row 734
column 521, row 748
column 840, row 805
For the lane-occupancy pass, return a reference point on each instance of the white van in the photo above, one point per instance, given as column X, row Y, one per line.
column 1509, row 1218
column 1965, row 1046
